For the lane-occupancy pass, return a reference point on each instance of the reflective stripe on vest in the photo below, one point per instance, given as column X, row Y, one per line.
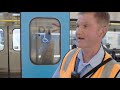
column 108, row 70
column 68, row 61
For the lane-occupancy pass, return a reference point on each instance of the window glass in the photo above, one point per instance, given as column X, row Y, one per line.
column 45, row 40
column 1, row 39
column 16, row 39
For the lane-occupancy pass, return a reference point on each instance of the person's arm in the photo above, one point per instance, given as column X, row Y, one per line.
column 57, row 73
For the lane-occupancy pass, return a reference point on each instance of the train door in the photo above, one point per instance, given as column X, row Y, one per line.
column 44, row 42
column 9, row 51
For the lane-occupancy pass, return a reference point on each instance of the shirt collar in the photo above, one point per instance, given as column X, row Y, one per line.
column 96, row 60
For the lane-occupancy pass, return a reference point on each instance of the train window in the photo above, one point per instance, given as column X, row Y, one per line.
column 16, row 39
column 111, row 41
column 1, row 39
column 45, row 40
column 112, row 37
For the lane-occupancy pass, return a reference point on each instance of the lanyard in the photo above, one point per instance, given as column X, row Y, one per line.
column 77, row 64
column 94, row 69
column 74, row 74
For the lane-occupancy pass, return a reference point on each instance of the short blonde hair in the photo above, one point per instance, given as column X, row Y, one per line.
column 102, row 17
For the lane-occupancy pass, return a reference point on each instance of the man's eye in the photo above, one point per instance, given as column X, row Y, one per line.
column 85, row 26
column 77, row 26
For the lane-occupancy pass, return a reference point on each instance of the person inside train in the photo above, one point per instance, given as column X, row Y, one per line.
column 89, row 60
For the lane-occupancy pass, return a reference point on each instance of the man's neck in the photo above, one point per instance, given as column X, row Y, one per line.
column 89, row 53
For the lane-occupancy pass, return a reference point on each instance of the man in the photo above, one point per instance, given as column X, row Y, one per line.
column 89, row 60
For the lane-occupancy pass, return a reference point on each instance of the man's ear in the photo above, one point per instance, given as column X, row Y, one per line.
column 103, row 31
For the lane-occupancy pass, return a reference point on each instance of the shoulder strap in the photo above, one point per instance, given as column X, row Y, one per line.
column 97, row 67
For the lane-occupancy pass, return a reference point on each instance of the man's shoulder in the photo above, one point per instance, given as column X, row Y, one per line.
column 114, row 63
column 72, row 51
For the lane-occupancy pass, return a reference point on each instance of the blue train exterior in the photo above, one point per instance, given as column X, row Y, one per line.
column 30, row 69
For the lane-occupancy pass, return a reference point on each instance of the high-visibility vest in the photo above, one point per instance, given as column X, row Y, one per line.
column 109, row 70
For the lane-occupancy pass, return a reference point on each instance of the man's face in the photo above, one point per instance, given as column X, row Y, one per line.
column 88, row 31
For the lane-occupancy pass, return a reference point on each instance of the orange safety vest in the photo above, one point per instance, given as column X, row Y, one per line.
column 109, row 70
